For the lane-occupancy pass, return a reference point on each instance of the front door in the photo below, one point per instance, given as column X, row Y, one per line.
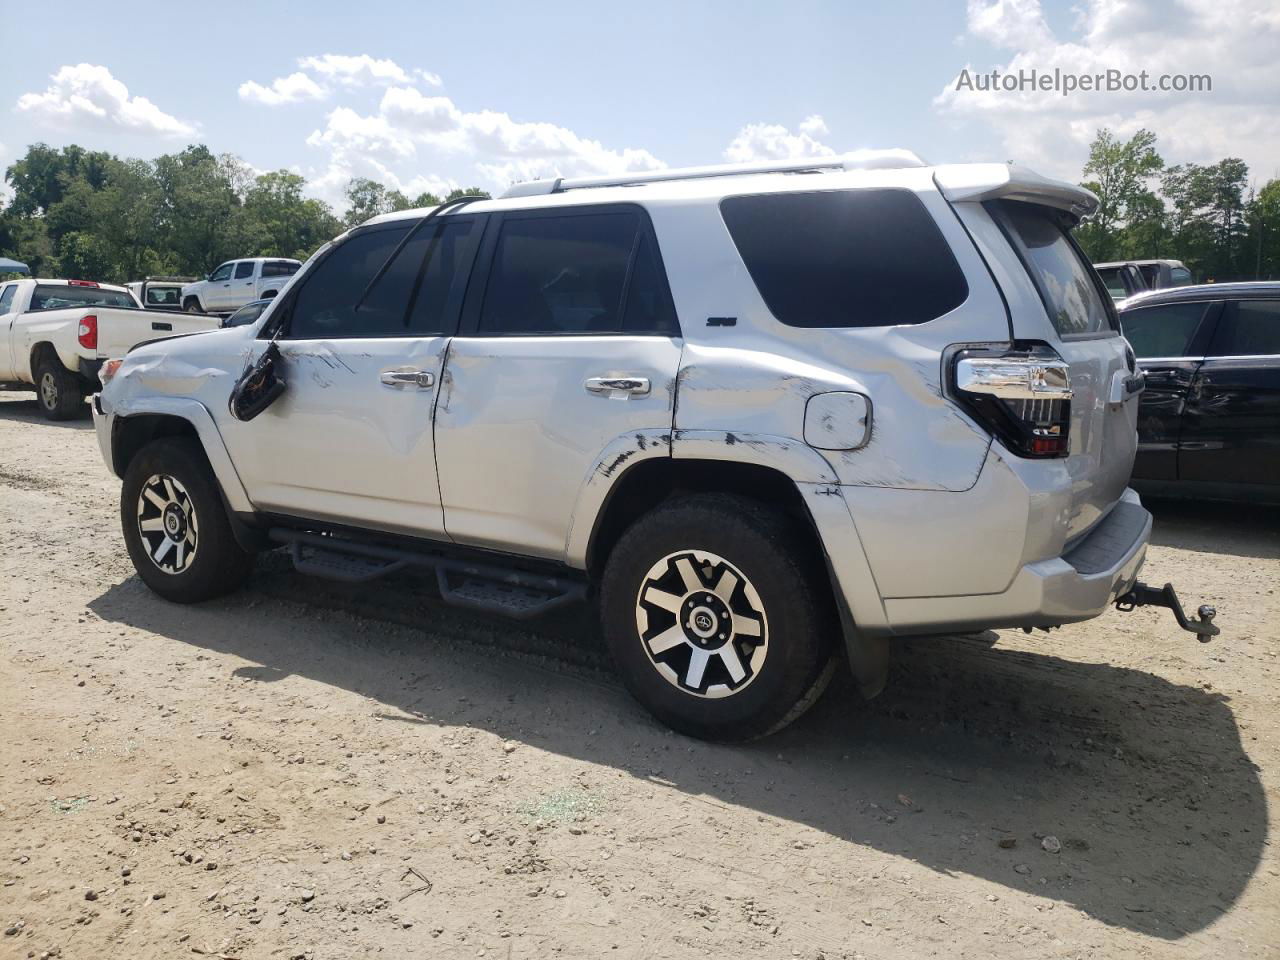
column 7, row 316
column 1231, row 433
column 217, row 289
column 351, row 440
column 569, row 341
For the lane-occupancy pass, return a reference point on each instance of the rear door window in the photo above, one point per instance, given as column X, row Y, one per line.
column 244, row 270
column 1162, row 330
column 846, row 258
column 1248, row 328
column 579, row 273
column 1061, row 274
column 413, row 297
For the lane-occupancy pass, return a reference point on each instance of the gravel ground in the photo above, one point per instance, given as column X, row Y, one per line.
column 311, row 770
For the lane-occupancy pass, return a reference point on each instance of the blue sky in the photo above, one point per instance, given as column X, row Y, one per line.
column 429, row 95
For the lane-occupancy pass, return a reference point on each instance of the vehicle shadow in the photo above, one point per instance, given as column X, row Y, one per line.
column 1236, row 529
column 1146, row 785
column 20, row 407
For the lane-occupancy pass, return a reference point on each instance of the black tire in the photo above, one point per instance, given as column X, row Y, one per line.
column 58, row 391
column 192, row 305
column 795, row 623
column 202, row 559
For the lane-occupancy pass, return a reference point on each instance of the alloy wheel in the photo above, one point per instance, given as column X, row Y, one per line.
column 49, row 391
column 167, row 523
column 702, row 624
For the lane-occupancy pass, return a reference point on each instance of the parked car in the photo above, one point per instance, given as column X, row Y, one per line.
column 728, row 403
column 1122, row 280
column 1209, row 422
column 247, row 314
column 1153, row 274
column 236, row 282
column 159, row 293
column 55, row 335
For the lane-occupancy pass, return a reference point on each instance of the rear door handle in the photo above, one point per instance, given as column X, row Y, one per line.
column 622, row 387
column 421, row 379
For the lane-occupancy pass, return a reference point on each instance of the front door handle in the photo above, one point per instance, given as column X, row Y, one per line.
column 618, row 386
column 421, row 379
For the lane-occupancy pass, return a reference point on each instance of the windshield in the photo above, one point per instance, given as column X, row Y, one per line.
column 60, row 296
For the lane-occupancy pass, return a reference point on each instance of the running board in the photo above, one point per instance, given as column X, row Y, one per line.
column 508, row 592
column 1141, row 595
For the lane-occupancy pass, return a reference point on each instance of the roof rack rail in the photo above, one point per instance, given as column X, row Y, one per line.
column 858, row 160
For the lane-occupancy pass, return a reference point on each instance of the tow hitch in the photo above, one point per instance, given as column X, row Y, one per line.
column 1141, row 595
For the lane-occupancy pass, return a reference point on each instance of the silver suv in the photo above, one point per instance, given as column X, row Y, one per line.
column 759, row 414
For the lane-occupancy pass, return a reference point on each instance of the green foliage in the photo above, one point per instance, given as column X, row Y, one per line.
column 92, row 215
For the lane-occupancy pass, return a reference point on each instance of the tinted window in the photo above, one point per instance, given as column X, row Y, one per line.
column 247, row 314
column 163, row 296
column 1164, row 330
column 222, row 273
column 1063, row 277
column 1179, row 277
column 58, row 296
column 568, row 274
column 1150, row 275
column 279, row 268
column 1248, row 328
column 326, row 305
column 244, row 269
column 6, row 298
column 1114, row 282
column 848, row 258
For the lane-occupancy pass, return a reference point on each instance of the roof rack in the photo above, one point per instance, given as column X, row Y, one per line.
column 858, row 160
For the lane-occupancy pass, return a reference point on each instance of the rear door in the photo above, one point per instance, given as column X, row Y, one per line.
column 244, row 285
column 569, row 341
column 1082, row 327
column 1169, row 340
column 351, row 441
column 1231, row 430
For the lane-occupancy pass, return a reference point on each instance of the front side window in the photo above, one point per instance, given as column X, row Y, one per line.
column 593, row 273
column 6, row 298
column 1063, row 276
column 1249, row 328
column 411, row 298
column 222, row 273
column 59, row 296
column 247, row 314
column 1179, row 277
column 1113, row 280
column 244, row 270
column 1161, row 330
column 846, row 258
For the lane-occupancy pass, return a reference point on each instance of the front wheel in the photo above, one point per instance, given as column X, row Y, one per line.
column 175, row 525
column 718, row 618
column 192, row 305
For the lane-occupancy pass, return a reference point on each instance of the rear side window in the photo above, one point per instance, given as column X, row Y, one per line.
column 409, row 299
column 846, row 258
column 1249, row 328
column 1063, row 277
column 243, row 270
column 58, row 296
column 595, row 273
column 1162, row 330
column 279, row 268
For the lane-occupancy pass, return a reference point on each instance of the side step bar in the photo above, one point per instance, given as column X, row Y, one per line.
column 508, row 592
column 1141, row 595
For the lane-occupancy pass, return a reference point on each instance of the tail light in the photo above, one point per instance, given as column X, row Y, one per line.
column 87, row 332
column 1021, row 392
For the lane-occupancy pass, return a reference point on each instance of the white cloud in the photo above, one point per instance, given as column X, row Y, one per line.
column 291, row 89
column 772, row 141
column 88, row 95
column 1232, row 40
column 360, row 70
column 502, row 149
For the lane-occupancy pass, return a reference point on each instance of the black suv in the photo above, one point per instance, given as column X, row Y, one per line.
column 1209, row 423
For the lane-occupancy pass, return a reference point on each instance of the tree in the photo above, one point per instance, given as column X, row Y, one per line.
column 1120, row 172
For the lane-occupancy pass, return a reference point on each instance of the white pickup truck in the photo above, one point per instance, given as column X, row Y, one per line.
column 56, row 334
column 238, row 282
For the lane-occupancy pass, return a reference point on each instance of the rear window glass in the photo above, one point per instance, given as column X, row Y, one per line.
column 1064, row 278
column 846, row 258
column 58, row 296
column 1164, row 330
column 163, row 296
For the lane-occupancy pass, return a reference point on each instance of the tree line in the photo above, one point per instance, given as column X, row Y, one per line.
column 90, row 214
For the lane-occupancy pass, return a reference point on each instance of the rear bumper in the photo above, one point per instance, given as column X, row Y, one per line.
column 1078, row 585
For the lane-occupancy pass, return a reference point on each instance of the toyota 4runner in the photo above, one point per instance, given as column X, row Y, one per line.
column 759, row 414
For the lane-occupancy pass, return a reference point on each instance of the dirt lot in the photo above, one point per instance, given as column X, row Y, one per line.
column 304, row 770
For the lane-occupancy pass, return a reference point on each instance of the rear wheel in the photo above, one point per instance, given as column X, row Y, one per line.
column 718, row 617
column 59, row 391
column 175, row 525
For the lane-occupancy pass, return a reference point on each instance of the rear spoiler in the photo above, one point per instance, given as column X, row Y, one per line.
column 975, row 182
